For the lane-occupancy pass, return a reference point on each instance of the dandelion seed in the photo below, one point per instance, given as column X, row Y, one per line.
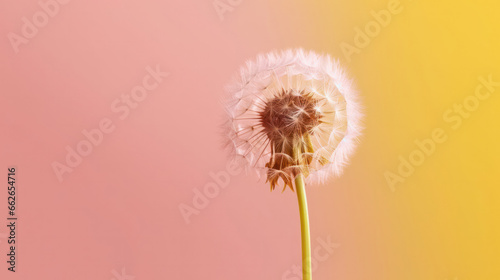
column 287, row 99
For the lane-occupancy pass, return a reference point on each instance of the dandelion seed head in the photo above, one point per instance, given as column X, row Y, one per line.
column 290, row 113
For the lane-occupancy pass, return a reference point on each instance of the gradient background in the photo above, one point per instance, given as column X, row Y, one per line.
column 120, row 207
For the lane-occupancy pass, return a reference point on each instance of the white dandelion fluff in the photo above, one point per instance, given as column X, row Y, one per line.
column 293, row 112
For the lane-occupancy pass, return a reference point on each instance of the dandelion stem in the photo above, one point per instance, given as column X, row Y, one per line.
column 304, row 228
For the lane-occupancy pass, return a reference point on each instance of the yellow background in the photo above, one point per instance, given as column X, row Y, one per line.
column 442, row 222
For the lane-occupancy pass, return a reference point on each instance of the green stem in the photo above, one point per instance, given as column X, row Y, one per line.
column 304, row 228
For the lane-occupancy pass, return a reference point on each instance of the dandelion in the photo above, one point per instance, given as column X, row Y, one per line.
column 293, row 116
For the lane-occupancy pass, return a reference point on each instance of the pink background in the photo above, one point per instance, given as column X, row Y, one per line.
column 120, row 207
